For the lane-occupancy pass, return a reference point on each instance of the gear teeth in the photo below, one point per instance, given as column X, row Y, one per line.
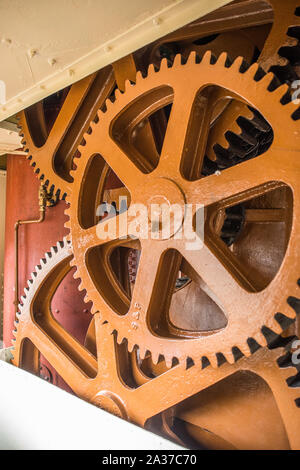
column 118, row 337
column 281, row 91
column 76, row 273
column 163, row 64
column 139, row 352
column 222, row 59
column 275, row 327
column 118, row 95
column 189, row 363
column 192, row 58
column 81, row 148
column 289, row 312
column 108, row 105
column 290, row 108
column 253, row 69
column 81, row 286
column 237, row 63
column 151, row 70
column 100, row 114
column 206, row 59
column 93, row 125
column 128, row 84
column 229, row 356
column 139, row 77
column 86, row 299
column 213, row 360
column 67, row 225
column 177, row 60
column 169, row 362
column 142, row 352
column 131, row 345
column 267, row 79
column 260, row 339
column 155, row 357
column 285, row 361
column 286, row 372
column 94, row 310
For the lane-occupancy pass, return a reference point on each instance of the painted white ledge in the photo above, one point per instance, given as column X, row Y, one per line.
column 37, row 415
column 46, row 46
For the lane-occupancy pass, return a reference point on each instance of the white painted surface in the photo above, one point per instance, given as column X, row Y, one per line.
column 37, row 415
column 10, row 141
column 45, row 46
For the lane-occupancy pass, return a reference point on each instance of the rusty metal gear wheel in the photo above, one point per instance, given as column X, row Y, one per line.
column 107, row 376
column 251, row 310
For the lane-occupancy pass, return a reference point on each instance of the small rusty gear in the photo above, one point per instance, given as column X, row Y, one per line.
column 104, row 374
column 278, row 55
column 175, row 174
column 51, row 149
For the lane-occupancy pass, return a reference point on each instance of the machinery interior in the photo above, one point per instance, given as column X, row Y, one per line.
column 198, row 346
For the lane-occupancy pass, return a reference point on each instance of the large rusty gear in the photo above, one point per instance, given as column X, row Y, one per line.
column 251, row 314
column 110, row 378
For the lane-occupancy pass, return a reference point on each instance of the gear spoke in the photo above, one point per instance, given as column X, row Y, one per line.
column 57, row 358
column 223, row 281
column 236, row 182
column 119, row 162
column 147, row 289
column 114, row 229
column 177, row 131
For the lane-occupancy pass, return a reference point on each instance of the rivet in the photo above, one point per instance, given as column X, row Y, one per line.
column 217, row 173
column 157, row 21
column 7, row 40
column 51, row 61
column 71, row 72
column 32, row 52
